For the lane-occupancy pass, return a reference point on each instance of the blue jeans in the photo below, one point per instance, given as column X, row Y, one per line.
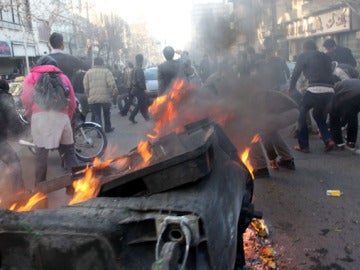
column 320, row 103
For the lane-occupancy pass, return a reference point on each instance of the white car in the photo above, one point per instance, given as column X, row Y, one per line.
column 151, row 80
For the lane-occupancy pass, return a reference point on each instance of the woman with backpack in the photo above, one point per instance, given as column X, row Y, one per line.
column 49, row 101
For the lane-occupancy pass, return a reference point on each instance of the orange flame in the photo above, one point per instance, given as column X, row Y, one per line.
column 244, row 156
column 35, row 199
column 144, row 151
column 255, row 139
column 165, row 108
column 85, row 188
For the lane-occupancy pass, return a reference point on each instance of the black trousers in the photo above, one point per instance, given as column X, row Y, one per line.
column 67, row 153
column 346, row 112
column 96, row 113
column 142, row 106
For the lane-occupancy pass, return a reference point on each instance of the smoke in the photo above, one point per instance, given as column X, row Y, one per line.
column 216, row 33
column 225, row 99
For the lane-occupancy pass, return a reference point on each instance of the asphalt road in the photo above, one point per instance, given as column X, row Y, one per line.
column 308, row 229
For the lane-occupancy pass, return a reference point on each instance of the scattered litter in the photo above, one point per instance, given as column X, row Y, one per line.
column 259, row 252
column 333, row 193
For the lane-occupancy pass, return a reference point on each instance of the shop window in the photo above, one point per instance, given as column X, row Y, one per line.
column 43, row 31
column 9, row 11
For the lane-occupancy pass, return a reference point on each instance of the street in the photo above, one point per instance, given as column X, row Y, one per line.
column 308, row 229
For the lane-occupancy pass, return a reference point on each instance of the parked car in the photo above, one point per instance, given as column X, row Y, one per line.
column 151, row 79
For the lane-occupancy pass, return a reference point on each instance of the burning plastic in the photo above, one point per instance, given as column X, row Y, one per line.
column 191, row 201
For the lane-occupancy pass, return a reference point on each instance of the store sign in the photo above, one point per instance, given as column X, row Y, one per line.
column 331, row 22
column 5, row 49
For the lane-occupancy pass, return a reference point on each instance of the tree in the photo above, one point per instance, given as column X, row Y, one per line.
column 142, row 42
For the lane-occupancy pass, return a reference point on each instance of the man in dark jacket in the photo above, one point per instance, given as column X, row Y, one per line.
column 317, row 69
column 346, row 107
column 68, row 64
column 339, row 54
column 168, row 71
column 77, row 82
column 9, row 123
column 138, row 90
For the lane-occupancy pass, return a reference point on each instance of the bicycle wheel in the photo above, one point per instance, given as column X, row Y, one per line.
column 90, row 142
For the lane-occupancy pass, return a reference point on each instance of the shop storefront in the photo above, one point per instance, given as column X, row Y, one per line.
column 340, row 24
column 13, row 58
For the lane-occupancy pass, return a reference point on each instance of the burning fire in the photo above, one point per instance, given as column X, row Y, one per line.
column 244, row 156
column 85, row 188
column 35, row 199
column 144, row 151
column 170, row 113
column 165, row 109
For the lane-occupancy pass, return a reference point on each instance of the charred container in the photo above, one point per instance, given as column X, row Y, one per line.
column 187, row 209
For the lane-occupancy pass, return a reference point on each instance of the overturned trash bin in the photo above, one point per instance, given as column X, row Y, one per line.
column 187, row 209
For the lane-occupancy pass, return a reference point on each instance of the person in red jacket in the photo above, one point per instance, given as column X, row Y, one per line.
column 50, row 129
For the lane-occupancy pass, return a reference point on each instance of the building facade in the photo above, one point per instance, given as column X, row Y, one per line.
column 25, row 26
column 318, row 20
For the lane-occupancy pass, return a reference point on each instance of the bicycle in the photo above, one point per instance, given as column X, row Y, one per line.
column 90, row 140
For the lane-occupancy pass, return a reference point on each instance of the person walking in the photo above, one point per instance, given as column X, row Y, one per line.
column 317, row 69
column 168, row 71
column 67, row 63
column 50, row 124
column 10, row 124
column 138, row 90
column 100, row 86
column 128, row 75
column 339, row 54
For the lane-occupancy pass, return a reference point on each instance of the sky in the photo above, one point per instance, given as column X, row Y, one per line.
column 169, row 21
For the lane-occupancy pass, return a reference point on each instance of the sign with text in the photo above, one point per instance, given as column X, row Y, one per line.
column 5, row 49
column 326, row 23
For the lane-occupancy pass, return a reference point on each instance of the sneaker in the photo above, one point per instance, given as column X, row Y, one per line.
column 329, row 146
column 287, row 164
column 261, row 173
column 340, row 146
column 350, row 146
column 109, row 130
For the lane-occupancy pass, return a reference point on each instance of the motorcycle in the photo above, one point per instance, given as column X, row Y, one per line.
column 89, row 138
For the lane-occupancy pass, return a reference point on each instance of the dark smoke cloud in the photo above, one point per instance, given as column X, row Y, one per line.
column 216, row 33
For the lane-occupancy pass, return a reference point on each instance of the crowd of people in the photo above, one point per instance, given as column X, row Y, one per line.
column 331, row 96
